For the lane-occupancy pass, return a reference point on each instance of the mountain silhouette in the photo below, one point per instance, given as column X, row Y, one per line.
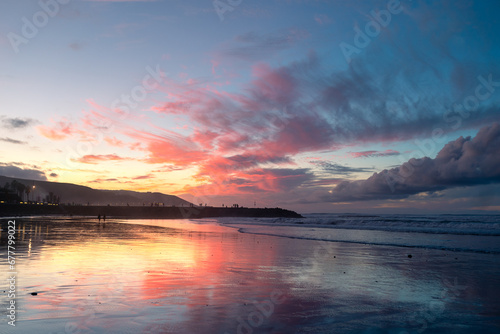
column 80, row 195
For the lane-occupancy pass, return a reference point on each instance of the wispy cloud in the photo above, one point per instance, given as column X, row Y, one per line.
column 254, row 46
column 255, row 180
column 76, row 46
column 59, row 130
column 143, row 177
column 322, row 19
column 370, row 154
column 16, row 122
column 13, row 141
column 337, row 169
column 94, row 159
column 103, row 180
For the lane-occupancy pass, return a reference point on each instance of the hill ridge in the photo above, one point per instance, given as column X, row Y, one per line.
column 78, row 194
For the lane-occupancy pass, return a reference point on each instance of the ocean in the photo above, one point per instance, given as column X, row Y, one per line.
column 460, row 233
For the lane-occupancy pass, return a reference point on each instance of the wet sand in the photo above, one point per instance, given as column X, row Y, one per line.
column 184, row 277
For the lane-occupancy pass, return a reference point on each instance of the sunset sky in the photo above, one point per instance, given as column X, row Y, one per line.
column 315, row 106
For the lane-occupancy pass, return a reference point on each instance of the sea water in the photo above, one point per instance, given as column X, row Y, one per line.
column 461, row 233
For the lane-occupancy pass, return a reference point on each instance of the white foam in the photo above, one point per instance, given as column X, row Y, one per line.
column 472, row 233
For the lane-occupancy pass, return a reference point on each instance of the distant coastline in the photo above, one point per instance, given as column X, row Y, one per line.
column 138, row 212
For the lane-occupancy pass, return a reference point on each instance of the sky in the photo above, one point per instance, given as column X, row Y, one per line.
column 315, row 106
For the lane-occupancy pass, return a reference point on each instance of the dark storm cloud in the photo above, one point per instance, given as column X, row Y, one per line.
column 11, row 170
column 463, row 162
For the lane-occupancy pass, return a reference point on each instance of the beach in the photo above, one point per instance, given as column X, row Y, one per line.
column 75, row 275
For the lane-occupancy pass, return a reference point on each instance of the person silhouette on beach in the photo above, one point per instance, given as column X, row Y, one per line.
column 104, row 219
column 99, row 217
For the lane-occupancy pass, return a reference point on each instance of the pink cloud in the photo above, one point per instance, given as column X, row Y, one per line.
column 248, row 122
column 178, row 107
column 94, row 159
column 59, row 130
column 113, row 141
column 274, row 86
column 168, row 148
column 257, row 180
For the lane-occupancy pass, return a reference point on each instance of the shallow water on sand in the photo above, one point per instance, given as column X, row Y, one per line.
column 179, row 276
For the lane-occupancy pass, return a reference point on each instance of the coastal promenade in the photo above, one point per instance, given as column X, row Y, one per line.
column 161, row 212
